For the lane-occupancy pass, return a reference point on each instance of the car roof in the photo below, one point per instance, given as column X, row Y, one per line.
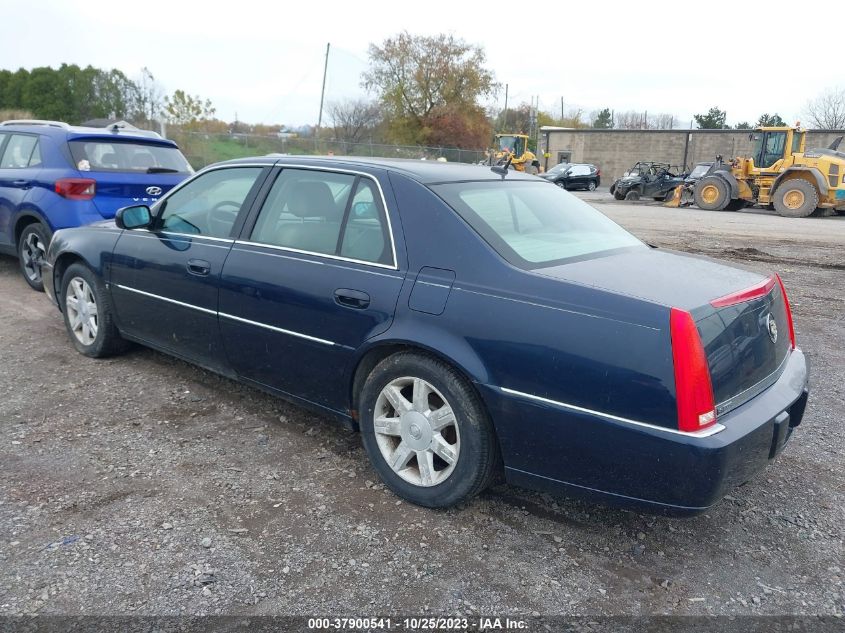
column 427, row 172
column 60, row 130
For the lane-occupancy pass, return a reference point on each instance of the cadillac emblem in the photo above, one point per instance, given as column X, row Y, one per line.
column 772, row 327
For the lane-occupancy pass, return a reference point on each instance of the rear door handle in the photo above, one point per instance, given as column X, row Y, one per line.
column 21, row 183
column 199, row 267
column 351, row 298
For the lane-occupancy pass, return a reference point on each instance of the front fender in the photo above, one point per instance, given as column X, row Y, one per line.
column 729, row 178
column 93, row 245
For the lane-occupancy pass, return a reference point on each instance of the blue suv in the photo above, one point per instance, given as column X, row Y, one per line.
column 54, row 176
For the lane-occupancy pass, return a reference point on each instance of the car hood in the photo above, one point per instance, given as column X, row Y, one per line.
column 667, row 278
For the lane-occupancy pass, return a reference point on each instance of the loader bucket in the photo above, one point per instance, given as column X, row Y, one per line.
column 675, row 201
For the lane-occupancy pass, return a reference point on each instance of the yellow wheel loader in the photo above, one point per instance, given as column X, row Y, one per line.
column 779, row 174
column 515, row 147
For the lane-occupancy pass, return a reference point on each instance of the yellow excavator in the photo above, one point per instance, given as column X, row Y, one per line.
column 515, row 147
column 780, row 173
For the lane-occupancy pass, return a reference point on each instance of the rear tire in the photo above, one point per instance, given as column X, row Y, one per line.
column 591, row 186
column 32, row 250
column 417, row 414
column 796, row 198
column 88, row 313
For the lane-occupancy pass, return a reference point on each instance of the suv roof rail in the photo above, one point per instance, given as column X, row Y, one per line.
column 60, row 124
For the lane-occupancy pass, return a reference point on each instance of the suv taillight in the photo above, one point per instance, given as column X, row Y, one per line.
column 76, row 188
column 788, row 311
column 693, row 389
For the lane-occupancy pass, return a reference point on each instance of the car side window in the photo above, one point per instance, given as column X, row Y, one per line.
column 304, row 211
column 365, row 234
column 18, row 151
column 209, row 204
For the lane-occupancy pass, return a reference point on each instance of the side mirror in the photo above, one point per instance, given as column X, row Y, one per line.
column 135, row 217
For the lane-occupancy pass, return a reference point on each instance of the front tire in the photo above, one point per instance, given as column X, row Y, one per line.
column 796, row 198
column 632, row 195
column 712, row 193
column 88, row 313
column 426, row 431
column 32, row 249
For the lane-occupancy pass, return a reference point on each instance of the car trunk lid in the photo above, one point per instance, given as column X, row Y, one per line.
column 741, row 316
column 746, row 342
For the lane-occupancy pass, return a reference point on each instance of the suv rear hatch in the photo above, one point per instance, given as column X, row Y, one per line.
column 128, row 171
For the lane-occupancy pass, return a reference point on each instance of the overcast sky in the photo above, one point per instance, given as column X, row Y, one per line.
column 264, row 60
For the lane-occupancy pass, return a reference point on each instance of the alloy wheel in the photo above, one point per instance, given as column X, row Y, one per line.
column 82, row 311
column 416, row 431
column 32, row 254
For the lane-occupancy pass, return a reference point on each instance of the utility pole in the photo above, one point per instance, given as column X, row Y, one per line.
column 323, row 91
column 561, row 110
column 505, row 122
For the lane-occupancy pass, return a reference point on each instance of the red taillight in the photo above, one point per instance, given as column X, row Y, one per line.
column 76, row 188
column 788, row 311
column 754, row 292
column 598, row 172
column 693, row 390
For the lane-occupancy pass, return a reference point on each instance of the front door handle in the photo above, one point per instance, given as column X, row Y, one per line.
column 351, row 298
column 199, row 267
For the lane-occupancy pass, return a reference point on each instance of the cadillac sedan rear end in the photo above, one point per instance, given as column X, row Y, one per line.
column 619, row 372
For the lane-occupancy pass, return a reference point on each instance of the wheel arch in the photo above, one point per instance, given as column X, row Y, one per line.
column 62, row 263
column 810, row 174
column 729, row 178
column 26, row 218
column 466, row 363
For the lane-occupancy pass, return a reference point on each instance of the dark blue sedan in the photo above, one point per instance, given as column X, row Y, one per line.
column 467, row 320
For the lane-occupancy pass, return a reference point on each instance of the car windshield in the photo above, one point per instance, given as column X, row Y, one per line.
column 122, row 156
column 699, row 171
column 533, row 224
column 558, row 168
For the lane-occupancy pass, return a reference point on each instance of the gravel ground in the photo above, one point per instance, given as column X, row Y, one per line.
column 141, row 484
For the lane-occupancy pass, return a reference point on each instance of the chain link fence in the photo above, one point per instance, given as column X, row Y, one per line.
column 202, row 149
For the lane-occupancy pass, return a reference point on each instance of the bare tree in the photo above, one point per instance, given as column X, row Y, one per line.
column 661, row 121
column 630, row 120
column 353, row 118
column 148, row 98
column 827, row 111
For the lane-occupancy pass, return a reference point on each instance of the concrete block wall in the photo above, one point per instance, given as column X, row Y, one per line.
column 614, row 151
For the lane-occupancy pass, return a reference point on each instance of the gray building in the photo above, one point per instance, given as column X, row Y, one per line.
column 614, row 151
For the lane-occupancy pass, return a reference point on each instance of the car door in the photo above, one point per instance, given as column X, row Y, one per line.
column 164, row 280
column 313, row 276
column 578, row 176
column 20, row 161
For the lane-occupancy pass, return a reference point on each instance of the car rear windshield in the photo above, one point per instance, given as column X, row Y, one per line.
column 535, row 224
column 136, row 157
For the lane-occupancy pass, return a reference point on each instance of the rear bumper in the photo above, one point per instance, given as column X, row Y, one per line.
column 578, row 453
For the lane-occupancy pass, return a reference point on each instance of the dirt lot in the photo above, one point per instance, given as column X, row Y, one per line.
column 140, row 484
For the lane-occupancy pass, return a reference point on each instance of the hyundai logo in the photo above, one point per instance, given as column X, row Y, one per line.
column 772, row 327
column 154, row 191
